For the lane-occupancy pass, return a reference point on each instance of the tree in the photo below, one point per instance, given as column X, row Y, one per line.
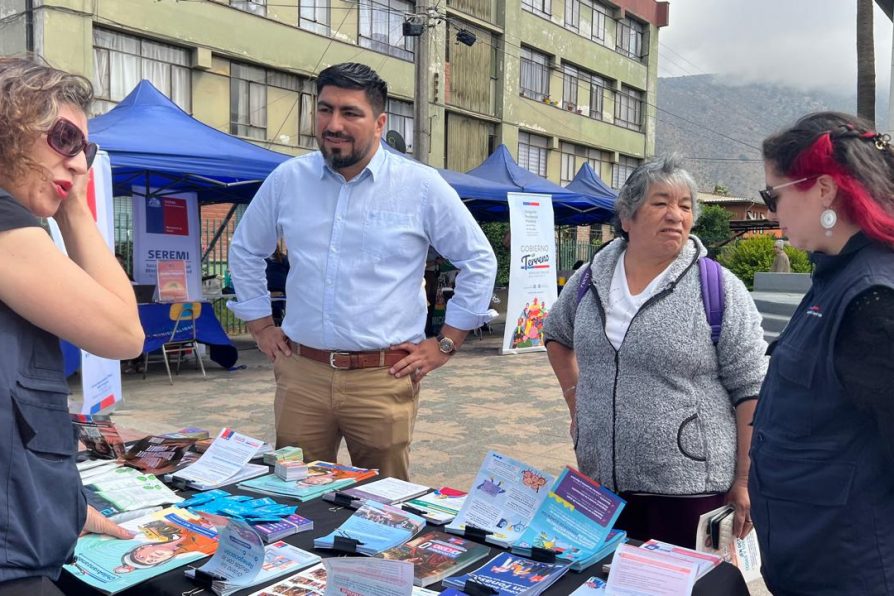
column 865, row 61
column 712, row 227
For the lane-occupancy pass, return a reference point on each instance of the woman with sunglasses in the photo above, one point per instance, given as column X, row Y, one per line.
column 822, row 473
column 84, row 297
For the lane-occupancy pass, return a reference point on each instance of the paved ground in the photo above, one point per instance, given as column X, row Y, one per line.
column 478, row 401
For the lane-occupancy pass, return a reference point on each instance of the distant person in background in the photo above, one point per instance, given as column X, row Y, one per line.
column 84, row 298
column 781, row 263
column 822, row 471
column 658, row 412
column 277, row 272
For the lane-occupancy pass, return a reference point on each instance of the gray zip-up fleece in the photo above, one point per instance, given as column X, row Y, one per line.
column 657, row 416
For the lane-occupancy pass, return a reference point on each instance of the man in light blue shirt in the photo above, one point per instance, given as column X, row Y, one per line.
column 357, row 221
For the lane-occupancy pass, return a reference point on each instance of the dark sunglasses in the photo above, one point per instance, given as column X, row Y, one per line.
column 65, row 138
column 771, row 196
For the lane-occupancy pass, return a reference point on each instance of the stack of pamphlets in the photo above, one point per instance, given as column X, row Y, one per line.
column 657, row 569
column 386, row 490
column 189, row 432
column 703, row 562
column 165, row 540
column 573, row 521
column 158, row 455
column 371, row 529
column 290, row 470
column 99, row 435
column 322, row 477
column 436, row 555
column 94, row 468
column 293, row 524
column 502, row 500
column 242, row 561
column 511, row 574
column 225, row 462
column 284, row 454
column 125, row 489
column 312, row 582
column 438, row 507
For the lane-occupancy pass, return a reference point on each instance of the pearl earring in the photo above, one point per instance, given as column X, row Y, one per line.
column 828, row 219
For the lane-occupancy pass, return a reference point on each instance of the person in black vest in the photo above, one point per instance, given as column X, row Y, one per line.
column 822, row 473
column 84, row 297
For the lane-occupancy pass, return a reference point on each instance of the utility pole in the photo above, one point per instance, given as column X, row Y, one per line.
column 421, row 99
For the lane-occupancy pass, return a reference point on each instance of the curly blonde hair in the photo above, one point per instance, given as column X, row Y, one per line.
column 30, row 96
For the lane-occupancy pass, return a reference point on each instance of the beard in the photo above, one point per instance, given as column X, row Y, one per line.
column 338, row 158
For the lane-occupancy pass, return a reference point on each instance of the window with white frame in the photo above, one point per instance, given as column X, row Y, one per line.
column 629, row 108
column 120, row 61
column 598, row 87
column 571, row 80
column 313, row 16
column 248, row 101
column 258, row 7
column 574, row 156
column 534, row 74
column 622, row 170
column 586, row 17
column 541, row 7
column 630, row 38
column 381, row 27
column 249, row 87
column 400, row 119
column 532, row 152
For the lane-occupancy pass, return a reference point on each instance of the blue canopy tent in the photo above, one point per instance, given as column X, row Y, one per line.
column 571, row 207
column 483, row 194
column 588, row 182
column 153, row 143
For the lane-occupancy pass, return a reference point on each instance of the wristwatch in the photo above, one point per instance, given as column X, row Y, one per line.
column 446, row 345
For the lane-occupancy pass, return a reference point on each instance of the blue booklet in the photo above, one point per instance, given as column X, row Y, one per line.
column 574, row 520
column 512, row 574
column 373, row 528
column 503, row 499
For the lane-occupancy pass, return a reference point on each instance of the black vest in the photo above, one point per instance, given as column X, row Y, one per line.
column 42, row 508
column 822, row 492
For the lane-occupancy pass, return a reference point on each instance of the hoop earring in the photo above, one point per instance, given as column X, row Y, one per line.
column 828, row 219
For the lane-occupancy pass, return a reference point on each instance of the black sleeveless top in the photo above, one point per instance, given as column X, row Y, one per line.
column 42, row 508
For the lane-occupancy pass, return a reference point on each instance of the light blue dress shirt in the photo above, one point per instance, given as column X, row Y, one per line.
column 357, row 252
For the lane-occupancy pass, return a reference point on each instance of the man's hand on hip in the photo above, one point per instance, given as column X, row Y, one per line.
column 424, row 357
column 270, row 338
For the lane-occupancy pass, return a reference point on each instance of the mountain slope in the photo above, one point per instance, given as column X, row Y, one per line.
column 704, row 117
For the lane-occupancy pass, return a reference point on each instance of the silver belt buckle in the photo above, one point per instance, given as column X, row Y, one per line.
column 332, row 357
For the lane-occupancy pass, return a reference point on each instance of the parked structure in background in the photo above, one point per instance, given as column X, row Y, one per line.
column 560, row 82
column 747, row 216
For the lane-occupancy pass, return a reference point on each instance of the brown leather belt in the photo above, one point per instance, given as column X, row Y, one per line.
column 352, row 360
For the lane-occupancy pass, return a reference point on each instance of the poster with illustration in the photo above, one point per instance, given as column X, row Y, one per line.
column 532, row 272
column 164, row 540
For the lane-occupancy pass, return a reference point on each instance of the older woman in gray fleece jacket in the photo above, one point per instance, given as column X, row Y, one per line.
column 658, row 412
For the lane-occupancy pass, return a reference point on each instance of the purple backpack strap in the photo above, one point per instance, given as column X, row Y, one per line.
column 712, row 295
column 584, row 284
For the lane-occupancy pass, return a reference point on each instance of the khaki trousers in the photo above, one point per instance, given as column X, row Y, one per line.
column 316, row 405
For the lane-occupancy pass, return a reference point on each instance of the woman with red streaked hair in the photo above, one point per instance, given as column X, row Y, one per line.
column 822, row 472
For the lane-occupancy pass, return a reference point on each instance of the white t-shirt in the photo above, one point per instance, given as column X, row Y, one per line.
column 622, row 306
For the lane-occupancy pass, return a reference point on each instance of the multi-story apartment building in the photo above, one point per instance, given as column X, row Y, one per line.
column 560, row 82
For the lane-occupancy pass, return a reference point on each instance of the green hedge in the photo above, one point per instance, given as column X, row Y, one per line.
column 746, row 257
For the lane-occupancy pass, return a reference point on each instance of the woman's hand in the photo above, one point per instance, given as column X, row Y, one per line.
column 75, row 204
column 98, row 524
column 738, row 498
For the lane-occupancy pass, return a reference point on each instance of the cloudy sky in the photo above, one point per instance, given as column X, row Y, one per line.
column 803, row 43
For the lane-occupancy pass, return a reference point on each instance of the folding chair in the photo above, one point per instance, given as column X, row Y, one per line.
column 188, row 313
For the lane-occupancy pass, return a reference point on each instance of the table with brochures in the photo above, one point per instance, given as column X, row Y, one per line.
column 723, row 580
